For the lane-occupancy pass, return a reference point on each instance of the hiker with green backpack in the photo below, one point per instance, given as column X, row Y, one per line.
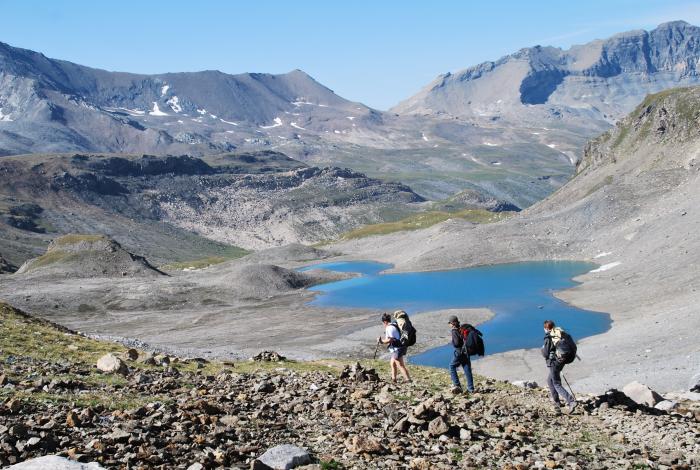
column 558, row 350
column 399, row 334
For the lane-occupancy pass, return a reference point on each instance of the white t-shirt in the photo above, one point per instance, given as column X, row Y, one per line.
column 392, row 332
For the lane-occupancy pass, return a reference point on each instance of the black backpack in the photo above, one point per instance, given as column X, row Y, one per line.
column 565, row 348
column 406, row 329
column 472, row 341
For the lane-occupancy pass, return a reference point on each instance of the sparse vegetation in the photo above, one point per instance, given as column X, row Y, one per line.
column 74, row 238
column 29, row 337
column 55, row 256
column 331, row 465
column 232, row 252
column 425, row 220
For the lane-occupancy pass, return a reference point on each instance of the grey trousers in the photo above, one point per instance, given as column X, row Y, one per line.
column 556, row 390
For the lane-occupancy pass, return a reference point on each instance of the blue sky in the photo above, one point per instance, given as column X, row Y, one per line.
column 376, row 52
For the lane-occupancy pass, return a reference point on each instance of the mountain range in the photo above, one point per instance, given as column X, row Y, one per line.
column 590, row 85
column 512, row 129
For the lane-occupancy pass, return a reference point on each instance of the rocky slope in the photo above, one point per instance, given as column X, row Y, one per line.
column 185, row 208
column 632, row 208
column 160, row 410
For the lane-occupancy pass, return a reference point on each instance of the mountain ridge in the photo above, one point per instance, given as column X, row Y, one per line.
column 666, row 49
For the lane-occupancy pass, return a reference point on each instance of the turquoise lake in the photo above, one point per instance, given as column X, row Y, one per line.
column 520, row 295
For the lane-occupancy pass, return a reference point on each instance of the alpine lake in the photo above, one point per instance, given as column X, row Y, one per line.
column 519, row 294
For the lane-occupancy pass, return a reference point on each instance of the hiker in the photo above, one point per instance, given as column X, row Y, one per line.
column 392, row 337
column 460, row 358
column 552, row 336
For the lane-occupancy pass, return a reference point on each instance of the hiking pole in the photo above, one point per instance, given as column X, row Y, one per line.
column 374, row 358
column 570, row 389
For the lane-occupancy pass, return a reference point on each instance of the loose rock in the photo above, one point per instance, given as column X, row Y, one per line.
column 641, row 394
column 284, row 457
column 111, row 364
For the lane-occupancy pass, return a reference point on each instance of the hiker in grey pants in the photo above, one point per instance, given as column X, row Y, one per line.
column 556, row 390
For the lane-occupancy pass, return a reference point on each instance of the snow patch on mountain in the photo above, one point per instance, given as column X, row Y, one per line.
column 606, row 267
column 156, row 110
column 164, row 90
column 278, row 123
column 5, row 117
column 174, row 103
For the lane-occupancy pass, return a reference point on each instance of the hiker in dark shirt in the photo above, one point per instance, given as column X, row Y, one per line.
column 459, row 358
column 552, row 335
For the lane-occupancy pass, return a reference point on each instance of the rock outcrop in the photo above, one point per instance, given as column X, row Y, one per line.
column 5, row 266
column 85, row 256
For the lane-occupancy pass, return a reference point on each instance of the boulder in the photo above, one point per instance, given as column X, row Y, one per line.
column 268, row 356
column 284, row 457
column 359, row 373
column 641, row 394
column 111, row 364
column 54, row 462
column 666, row 405
column 424, row 408
column 131, row 354
column 438, row 426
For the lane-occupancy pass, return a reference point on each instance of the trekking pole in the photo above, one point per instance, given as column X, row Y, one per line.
column 374, row 358
column 570, row 389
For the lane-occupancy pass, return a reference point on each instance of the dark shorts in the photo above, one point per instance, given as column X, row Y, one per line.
column 398, row 353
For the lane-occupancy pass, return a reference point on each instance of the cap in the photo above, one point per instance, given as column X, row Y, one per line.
column 452, row 319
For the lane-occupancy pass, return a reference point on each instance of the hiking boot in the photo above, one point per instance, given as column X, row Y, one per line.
column 469, row 391
column 456, row 390
column 556, row 408
column 571, row 406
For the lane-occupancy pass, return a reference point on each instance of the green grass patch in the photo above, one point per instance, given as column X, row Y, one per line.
column 74, row 238
column 425, row 220
column 52, row 257
column 21, row 335
column 194, row 264
column 231, row 252
column 331, row 465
